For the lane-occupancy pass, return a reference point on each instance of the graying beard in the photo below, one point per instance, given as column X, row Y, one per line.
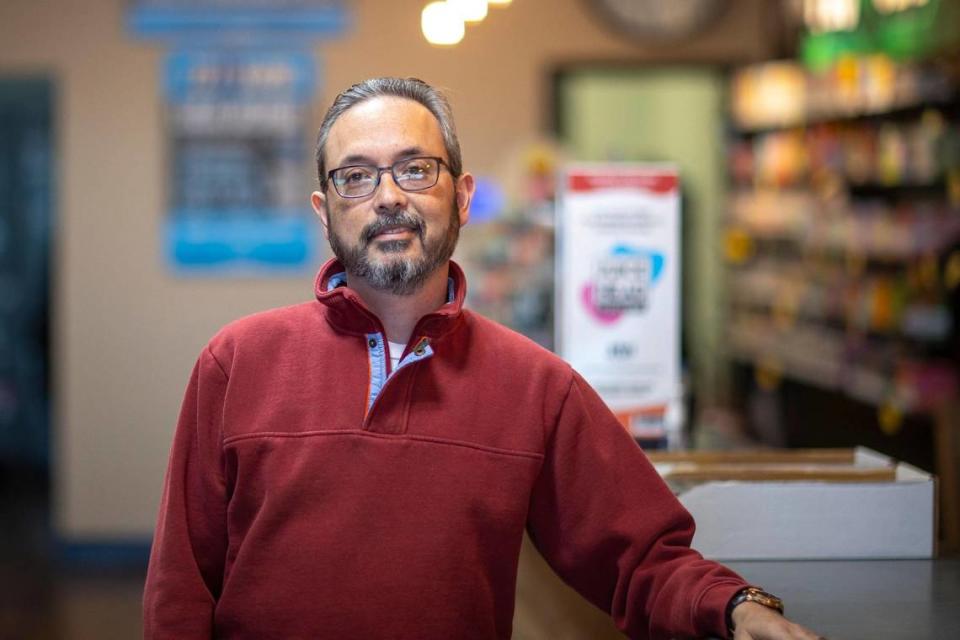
column 401, row 277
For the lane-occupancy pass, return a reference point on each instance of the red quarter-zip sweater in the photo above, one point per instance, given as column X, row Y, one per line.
column 308, row 495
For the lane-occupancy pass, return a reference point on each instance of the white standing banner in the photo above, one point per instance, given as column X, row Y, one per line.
column 618, row 288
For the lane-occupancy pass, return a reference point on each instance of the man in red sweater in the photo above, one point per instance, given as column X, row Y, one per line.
column 364, row 465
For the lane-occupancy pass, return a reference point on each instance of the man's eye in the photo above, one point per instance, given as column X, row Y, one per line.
column 356, row 175
column 415, row 170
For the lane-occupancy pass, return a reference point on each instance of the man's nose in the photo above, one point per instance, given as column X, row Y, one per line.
column 389, row 197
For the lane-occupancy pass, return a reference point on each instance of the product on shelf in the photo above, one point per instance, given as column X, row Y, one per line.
column 843, row 229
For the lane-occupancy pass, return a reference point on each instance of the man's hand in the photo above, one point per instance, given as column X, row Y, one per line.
column 753, row 621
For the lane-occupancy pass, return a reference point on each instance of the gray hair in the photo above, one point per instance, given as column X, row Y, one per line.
column 410, row 88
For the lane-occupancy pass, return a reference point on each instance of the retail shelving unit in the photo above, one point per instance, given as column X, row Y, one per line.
column 843, row 241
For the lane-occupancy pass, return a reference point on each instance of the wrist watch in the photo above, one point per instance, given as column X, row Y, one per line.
column 752, row 594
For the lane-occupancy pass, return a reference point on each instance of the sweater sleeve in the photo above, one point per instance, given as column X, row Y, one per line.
column 185, row 573
column 611, row 528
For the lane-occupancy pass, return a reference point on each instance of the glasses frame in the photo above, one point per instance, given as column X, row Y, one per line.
column 380, row 170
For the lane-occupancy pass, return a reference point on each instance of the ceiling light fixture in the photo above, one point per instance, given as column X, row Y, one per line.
column 470, row 10
column 441, row 24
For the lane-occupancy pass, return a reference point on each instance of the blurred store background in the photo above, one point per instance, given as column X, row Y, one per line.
column 155, row 169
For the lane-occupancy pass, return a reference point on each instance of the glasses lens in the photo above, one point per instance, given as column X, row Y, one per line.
column 352, row 182
column 416, row 174
column 412, row 174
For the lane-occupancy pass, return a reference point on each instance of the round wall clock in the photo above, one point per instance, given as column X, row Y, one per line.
column 660, row 20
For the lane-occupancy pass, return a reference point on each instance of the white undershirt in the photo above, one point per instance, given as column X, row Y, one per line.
column 396, row 350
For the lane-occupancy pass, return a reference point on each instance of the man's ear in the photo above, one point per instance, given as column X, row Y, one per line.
column 466, row 186
column 319, row 201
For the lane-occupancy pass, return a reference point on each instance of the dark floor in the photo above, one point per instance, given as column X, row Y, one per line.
column 43, row 597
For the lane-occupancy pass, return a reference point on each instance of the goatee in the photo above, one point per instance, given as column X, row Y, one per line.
column 398, row 275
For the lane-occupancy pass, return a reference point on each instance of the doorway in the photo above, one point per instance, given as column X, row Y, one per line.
column 26, row 196
column 673, row 114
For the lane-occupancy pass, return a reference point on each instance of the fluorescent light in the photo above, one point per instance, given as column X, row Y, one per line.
column 831, row 15
column 893, row 6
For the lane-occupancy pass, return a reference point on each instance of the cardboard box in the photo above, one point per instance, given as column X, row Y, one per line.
column 784, row 507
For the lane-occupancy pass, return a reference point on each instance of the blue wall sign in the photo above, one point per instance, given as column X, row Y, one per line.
column 237, row 188
column 212, row 20
column 238, row 86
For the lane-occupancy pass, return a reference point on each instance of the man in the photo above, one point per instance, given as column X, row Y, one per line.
column 364, row 465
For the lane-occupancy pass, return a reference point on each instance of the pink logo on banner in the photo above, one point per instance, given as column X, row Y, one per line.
column 605, row 316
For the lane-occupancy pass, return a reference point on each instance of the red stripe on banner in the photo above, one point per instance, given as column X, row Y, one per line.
column 655, row 182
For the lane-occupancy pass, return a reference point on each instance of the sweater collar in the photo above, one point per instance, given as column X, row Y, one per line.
column 347, row 313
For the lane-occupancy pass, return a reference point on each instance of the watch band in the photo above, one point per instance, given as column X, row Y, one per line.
column 751, row 594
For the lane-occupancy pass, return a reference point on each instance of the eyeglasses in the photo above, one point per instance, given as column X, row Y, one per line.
column 410, row 174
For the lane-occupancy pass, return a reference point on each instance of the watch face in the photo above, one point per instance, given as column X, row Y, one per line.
column 659, row 19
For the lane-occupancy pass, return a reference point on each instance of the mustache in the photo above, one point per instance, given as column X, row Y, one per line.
column 403, row 219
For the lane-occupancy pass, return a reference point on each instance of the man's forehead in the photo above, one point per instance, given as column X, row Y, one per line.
column 384, row 126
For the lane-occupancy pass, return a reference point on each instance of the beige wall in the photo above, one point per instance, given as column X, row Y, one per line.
column 498, row 77
column 126, row 331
